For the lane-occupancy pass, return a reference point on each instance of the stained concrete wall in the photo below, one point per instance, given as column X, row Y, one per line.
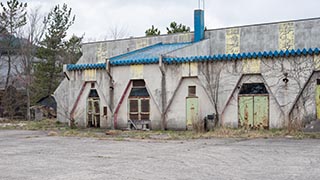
column 99, row 51
column 122, row 75
column 69, row 90
column 304, row 108
column 176, row 114
column 201, row 48
column 223, row 77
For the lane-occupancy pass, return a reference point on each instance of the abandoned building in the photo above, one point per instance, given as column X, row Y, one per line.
column 255, row 76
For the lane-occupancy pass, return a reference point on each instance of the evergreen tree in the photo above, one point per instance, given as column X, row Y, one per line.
column 48, row 73
column 73, row 49
column 152, row 31
column 175, row 28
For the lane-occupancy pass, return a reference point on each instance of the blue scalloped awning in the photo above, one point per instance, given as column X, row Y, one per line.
column 122, row 59
column 249, row 55
column 74, row 67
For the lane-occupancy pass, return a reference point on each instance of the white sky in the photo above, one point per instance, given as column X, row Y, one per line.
column 96, row 18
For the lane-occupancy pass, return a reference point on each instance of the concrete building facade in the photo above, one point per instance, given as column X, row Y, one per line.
column 256, row 76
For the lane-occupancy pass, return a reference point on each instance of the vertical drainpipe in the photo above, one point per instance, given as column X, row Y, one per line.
column 111, row 92
column 198, row 25
column 163, row 94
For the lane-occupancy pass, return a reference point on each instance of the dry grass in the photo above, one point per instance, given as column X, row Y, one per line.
column 55, row 128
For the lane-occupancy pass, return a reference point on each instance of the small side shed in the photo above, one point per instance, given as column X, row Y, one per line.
column 46, row 107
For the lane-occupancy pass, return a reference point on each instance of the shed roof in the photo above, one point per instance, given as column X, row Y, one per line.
column 147, row 55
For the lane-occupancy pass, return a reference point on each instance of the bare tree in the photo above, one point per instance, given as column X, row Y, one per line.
column 212, row 75
column 12, row 17
column 117, row 32
column 32, row 35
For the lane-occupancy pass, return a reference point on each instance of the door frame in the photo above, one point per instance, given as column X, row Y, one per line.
column 254, row 95
column 198, row 109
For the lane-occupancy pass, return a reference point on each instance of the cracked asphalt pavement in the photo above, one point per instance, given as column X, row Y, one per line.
column 34, row 155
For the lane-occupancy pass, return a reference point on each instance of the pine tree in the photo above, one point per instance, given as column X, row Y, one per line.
column 175, row 28
column 48, row 73
column 152, row 31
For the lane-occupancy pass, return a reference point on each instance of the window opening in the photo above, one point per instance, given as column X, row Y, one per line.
column 192, row 91
column 139, row 101
column 253, row 88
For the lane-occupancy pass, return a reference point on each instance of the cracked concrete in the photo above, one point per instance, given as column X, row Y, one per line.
column 34, row 155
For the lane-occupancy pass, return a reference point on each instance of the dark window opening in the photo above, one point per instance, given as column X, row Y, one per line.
column 92, row 85
column 318, row 81
column 105, row 110
column 192, row 91
column 139, row 89
column 139, row 92
column 93, row 93
column 253, row 88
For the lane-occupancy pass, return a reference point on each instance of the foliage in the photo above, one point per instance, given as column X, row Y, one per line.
column 12, row 18
column 152, row 31
column 48, row 73
column 72, row 49
column 177, row 28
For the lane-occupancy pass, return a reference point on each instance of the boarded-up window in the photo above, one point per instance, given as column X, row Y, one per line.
column 145, row 105
column 192, row 91
column 139, row 101
column 134, row 105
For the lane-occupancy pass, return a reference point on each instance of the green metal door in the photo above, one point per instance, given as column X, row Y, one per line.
column 246, row 111
column 261, row 112
column 318, row 101
column 192, row 110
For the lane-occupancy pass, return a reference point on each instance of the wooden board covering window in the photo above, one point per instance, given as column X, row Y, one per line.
column 192, row 91
column 139, row 109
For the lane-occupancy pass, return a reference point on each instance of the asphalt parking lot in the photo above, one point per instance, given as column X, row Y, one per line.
column 34, row 155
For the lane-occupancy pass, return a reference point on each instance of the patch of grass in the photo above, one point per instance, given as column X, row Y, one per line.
column 56, row 128
column 47, row 124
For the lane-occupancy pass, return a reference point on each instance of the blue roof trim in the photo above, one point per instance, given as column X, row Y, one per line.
column 239, row 56
column 134, row 61
column 219, row 57
column 74, row 67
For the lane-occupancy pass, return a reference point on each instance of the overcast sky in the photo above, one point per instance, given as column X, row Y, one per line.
column 97, row 18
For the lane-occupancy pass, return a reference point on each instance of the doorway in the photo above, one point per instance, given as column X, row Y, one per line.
column 93, row 109
column 192, row 107
column 253, row 111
